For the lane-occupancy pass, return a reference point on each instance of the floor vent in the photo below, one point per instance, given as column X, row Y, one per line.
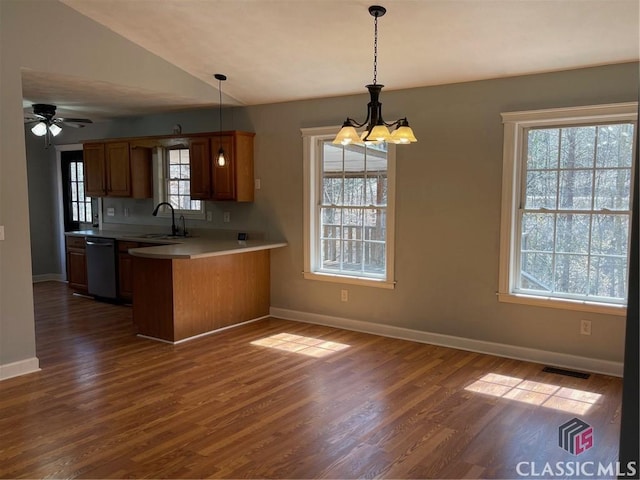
column 568, row 373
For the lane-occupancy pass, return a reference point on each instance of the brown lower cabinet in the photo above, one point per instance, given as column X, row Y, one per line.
column 77, row 266
column 125, row 270
column 76, row 263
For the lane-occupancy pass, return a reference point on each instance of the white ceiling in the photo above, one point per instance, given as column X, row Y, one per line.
column 283, row 50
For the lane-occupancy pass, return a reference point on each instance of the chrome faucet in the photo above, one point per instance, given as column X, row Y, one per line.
column 174, row 229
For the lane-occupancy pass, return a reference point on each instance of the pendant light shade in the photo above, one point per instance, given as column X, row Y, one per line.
column 376, row 130
column 221, row 160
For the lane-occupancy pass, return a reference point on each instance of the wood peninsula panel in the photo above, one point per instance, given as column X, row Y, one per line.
column 205, row 293
column 153, row 297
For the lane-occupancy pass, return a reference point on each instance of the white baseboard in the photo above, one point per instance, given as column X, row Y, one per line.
column 49, row 277
column 544, row 357
column 21, row 367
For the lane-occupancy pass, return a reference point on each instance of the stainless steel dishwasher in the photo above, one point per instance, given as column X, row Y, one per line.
column 101, row 267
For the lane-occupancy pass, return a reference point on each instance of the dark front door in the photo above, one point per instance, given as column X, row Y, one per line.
column 76, row 205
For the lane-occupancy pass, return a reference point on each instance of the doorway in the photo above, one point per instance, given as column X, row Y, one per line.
column 77, row 208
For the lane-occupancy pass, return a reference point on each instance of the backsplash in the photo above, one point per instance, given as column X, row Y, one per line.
column 127, row 211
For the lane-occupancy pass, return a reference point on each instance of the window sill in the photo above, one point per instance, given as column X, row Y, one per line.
column 367, row 282
column 565, row 304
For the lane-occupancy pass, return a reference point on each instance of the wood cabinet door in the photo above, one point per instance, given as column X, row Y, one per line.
column 125, row 276
column 243, row 165
column 118, row 169
column 200, row 163
column 95, row 184
column 224, row 178
column 141, row 172
column 77, row 269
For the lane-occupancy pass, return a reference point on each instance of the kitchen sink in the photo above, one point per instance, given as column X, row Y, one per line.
column 164, row 236
column 156, row 235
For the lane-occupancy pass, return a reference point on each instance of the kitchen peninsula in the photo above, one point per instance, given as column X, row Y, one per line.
column 199, row 285
column 180, row 287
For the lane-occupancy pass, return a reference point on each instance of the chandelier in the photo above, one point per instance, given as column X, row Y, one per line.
column 376, row 130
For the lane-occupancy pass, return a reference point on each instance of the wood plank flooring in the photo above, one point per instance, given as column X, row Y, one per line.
column 280, row 399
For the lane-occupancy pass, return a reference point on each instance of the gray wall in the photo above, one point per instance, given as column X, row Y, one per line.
column 448, row 210
column 43, row 206
column 448, row 207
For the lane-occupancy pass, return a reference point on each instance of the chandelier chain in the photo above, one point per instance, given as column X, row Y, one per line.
column 375, row 50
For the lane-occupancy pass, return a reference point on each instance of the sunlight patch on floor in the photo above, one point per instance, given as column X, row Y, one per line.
column 544, row 394
column 312, row 347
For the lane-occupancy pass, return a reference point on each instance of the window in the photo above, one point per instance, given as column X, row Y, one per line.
column 177, row 183
column 348, row 211
column 80, row 205
column 566, row 207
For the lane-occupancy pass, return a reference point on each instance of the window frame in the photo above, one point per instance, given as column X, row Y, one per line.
column 516, row 126
column 161, row 185
column 312, row 157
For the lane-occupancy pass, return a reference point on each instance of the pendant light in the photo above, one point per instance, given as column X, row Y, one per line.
column 221, row 161
column 377, row 130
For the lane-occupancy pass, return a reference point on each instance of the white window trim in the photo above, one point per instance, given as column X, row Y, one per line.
column 160, row 189
column 515, row 124
column 311, row 173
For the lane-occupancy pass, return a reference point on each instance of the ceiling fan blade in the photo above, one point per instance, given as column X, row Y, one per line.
column 34, row 117
column 73, row 122
column 74, row 125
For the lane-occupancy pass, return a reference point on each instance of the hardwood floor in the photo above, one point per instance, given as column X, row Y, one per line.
column 279, row 399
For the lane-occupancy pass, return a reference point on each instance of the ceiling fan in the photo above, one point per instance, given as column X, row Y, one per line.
column 45, row 122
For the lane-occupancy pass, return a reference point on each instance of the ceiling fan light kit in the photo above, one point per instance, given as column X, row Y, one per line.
column 376, row 130
column 45, row 121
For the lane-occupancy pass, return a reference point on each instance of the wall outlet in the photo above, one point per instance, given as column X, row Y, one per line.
column 126, row 211
column 344, row 295
column 258, row 184
column 585, row 327
column 226, row 217
column 209, row 216
column 111, row 212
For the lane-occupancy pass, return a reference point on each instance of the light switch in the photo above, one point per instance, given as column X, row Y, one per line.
column 1, row 232
column 111, row 212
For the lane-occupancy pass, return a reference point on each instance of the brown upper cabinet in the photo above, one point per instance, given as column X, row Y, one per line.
column 233, row 181
column 117, row 169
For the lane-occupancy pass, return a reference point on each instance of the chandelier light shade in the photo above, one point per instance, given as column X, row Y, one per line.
column 376, row 130
column 220, row 159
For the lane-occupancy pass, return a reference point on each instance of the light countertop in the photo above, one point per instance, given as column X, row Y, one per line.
column 180, row 247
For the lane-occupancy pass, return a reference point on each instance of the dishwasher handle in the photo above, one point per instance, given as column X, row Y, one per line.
column 97, row 244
